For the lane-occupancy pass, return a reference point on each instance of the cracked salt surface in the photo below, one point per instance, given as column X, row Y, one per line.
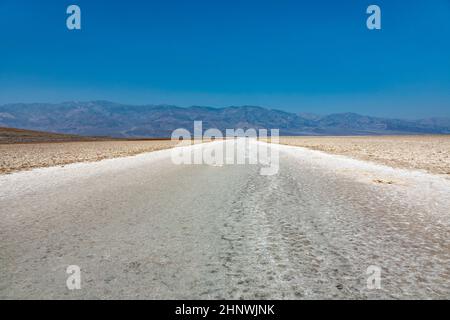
column 141, row 227
column 409, row 186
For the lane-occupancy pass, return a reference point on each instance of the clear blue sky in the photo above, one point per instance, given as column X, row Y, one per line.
column 300, row 56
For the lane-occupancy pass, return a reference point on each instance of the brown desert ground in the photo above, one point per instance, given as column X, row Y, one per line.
column 12, row 135
column 17, row 157
column 24, row 149
column 427, row 152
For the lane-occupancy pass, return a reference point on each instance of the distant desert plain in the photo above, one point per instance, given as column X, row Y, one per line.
column 25, row 150
column 421, row 152
column 142, row 227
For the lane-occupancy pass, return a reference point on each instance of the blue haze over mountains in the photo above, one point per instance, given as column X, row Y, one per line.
column 103, row 118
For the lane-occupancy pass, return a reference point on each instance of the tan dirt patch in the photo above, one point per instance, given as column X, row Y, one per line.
column 429, row 153
column 17, row 157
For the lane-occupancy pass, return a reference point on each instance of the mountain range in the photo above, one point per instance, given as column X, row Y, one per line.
column 103, row 118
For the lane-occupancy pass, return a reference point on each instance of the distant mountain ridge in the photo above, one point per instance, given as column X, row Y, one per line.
column 104, row 118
